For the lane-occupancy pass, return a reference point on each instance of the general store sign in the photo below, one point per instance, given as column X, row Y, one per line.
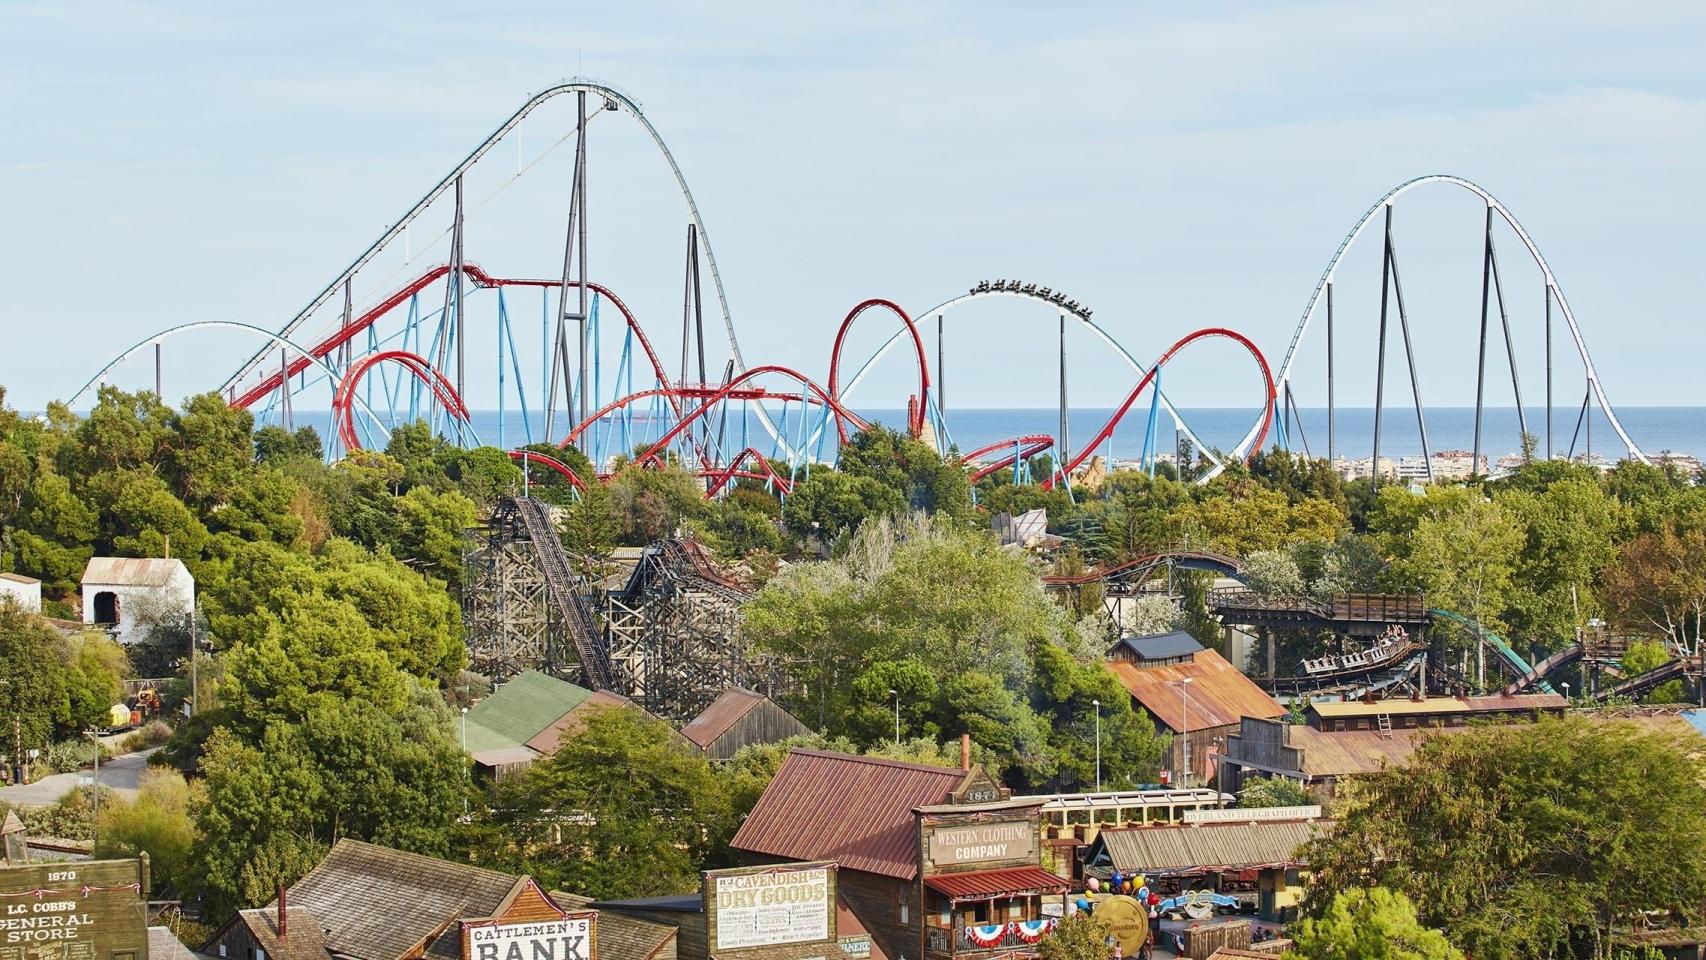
column 983, row 842
column 74, row 911
column 567, row 939
column 771, row 907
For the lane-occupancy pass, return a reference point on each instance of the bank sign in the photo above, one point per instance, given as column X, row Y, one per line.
column 74, row 911
column 953, row 845
column 771, row 907
column 567, row 939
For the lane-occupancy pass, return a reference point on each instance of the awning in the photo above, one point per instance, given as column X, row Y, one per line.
column 984, row 884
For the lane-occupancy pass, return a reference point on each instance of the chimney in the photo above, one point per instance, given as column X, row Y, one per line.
column 168, row 546
column 965, row 751
column 283, row 914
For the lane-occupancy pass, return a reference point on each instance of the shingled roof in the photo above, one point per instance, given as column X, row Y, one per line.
column 381, row 904
column 1217, row 696
column 622, row 937
column 854, row 810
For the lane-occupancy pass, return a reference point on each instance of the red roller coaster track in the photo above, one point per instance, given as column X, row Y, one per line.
column 1107, row 430
column 343, row 399
column 915, row 407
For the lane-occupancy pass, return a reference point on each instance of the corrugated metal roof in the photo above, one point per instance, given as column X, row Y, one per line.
column 1012, row 881
column 527, row 704
column 1350, row 752
column 573, row 722
column 380, row 903
column 19, row 578
column 854, row 810
column 1218, row 695
column 1162, row 646
column 716, row 719
column 132, row 571
column 1432, row 705
column 1217, row 846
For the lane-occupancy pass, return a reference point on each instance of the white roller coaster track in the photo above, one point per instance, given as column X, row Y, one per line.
column 1284, row 375
column 578, row 85
column 276, row 338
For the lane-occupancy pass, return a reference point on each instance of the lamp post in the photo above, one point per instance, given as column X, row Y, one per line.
column 1098, row 705
column 1185, row 730
column 896, row 695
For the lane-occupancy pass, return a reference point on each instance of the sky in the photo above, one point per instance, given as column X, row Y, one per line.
column 1175, row 166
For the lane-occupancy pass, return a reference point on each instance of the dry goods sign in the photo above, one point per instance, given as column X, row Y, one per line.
column 567, row 939
column 772, row 907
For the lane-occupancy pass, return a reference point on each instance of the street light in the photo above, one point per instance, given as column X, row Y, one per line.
column 1098, row 705
column 896, row 695
column 1185, row 729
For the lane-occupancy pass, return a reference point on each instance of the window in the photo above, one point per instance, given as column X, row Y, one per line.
column 106, row 607
column 222, row 949
column 905, row 911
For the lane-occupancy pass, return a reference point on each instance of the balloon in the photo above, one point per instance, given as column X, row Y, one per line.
column 1083, row 904
column 1094, row 884
column 1140, row 880
column 1154, row 899
column 1143, row 893
column 1117, row 878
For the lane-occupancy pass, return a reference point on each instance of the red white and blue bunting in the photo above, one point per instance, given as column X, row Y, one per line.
column 1025, row 931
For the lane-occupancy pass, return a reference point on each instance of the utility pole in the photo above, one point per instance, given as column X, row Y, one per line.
column 896, row 695
column 195, row 684
column 1185, row 730
column 1098, row 705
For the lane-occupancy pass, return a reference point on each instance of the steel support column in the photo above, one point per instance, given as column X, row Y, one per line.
column 1063, row 443
column 1332, row 435
column 1481, row 351
column 1510, row 344
column 1410, row 356
column 1548, row 370
column 1380, row 362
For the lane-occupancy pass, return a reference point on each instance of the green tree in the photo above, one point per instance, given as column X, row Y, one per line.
column 158, row 822
column 625, row 809
column 1369, row 924
column 1078, row 937
column 96, row 668
column 430, row 526
column 1453, row 543
column 1484, row 831
column 32, row 676
column 1273, row 792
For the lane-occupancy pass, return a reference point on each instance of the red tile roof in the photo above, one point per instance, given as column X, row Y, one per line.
column 1218, row 695
column 1013, row 881
column 716, row 719
column 854, row 810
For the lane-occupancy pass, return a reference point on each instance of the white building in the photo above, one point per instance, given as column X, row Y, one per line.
column 21, row 590
column 120, row 591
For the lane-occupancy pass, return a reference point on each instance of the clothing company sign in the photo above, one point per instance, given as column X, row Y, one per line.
column 567, row 939
column 773, row 907
column 979, row 842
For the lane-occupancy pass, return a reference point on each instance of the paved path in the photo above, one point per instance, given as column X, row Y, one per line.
column 120, row 775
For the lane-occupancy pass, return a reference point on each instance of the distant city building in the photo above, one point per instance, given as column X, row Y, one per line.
column 1688, row 466
column 125, row 593
column 23, row 591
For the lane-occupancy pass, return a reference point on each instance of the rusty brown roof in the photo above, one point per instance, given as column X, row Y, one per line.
column 571, row 723
column 1218, row 695
column 853, row 810
column 132, row 571
column 716, row 719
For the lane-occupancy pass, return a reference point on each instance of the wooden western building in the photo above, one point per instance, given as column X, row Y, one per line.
column 740, row 718
column 366, row 902
column 1191, row 692
column 934, row 862
column 1342, row 739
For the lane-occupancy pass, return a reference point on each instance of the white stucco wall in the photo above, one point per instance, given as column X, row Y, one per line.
column 25, row 593
column 175, row 596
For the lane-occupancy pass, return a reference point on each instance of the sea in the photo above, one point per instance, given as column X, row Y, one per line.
column 1679, row 430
